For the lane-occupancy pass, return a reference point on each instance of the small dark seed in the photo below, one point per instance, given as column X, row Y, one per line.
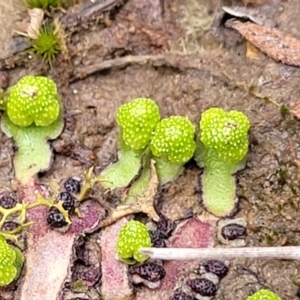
column 72, row 186
column 179, row 295
column 165, row 226
column 55, row 218
column 233, row 231
column 10, row 226
column 216, row 267
column 149, row 271
column 202, row 286
column 7, row 202
column 68, row 200
column 88, row 274
column 158, row 239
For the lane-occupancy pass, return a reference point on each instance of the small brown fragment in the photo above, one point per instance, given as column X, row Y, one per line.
column 252, row 51
column 294, row 106
column 275, row 43
column 4, row 81
column 144, row 203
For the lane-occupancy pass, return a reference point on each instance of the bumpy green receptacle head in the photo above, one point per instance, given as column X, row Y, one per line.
column 33, row 99
column 264, row 295
column 133, row 236
column 8, row 271
column 226, row 132
column 174, row 139
column 138, row 120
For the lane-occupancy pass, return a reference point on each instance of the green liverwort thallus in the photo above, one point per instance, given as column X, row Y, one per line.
column 137, row 120
column 33, row 116
column 221, row 150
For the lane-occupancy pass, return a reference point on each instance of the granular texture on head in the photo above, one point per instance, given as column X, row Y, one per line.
column 174, row 139
column 225, row 132
column 264, row 294
column 138, row 119
column 133, row 235
column 33, row 99
column 8, row 271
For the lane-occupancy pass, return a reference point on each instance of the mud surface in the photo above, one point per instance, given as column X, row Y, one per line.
column 269, row 186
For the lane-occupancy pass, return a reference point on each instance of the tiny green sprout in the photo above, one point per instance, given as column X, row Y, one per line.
column 264, row 294
column 133, row 236
column 44, row 4
column 284, row 110
column 172, row 145
column 48, row 42
column 221, row 150
column 137, row 120
column 33, row 115
column 11, row 262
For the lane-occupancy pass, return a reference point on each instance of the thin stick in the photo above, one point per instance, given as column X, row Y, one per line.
column 292, row 252
column 181, row 62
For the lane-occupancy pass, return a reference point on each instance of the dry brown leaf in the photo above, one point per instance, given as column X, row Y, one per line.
column 275, row 43
column 36, row 18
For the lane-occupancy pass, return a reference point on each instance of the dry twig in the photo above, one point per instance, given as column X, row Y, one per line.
column 291, row 252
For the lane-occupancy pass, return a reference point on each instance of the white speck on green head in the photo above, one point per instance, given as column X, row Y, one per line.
column 225, row 132
column 133, row 236
column 174, row 139
column 138, row 119
column 264, row 294
column 8, row 271
column 34, row 99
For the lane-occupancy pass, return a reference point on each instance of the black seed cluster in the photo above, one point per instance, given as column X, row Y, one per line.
column 7, row 201
column 149, row 271
column 216, row 267
column 233, row 231
column 55, row 218
column 164, row 229
column 158, row 240
column 90, row 274
column 202, row 286
column 165, row 226
column 180, row 295
column 67, row 199
column 72, row 186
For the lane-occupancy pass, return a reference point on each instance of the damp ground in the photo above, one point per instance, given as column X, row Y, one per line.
column 268, row 188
